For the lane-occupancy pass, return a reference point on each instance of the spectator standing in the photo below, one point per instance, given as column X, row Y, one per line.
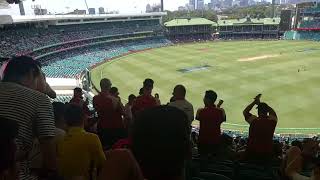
column 59, row 110
column 115, row 92
column 262, row 127
column 128, row 110
column 146, row 100
column 77, row 99
column 157, row 98
column 80, row 154
column 32, row 110
column 179, row 94
column 110, row 110
column 161, row 142
column 211, row 117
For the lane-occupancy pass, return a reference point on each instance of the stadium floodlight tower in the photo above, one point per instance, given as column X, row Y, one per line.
column 85, row 1
column 161, row 5
column 273, row 8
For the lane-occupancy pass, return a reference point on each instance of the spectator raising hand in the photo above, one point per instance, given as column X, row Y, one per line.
column 261, row 130
column 110, row 111
column 211, row 117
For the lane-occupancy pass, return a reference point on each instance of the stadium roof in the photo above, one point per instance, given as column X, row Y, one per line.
column 249, row 21
column 189, row 22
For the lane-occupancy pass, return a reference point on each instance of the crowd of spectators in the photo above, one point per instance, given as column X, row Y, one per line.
column 62, row 65
column 23, row 39
column 310, row 24
column 307, row 35
column 141, row 140
column 302, row 35
column 312, row 10
column 191, row 38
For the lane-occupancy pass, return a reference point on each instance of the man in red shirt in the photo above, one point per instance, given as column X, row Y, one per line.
column 110, row 112
column 211, row 118
column 261, row 130
column 146, row 100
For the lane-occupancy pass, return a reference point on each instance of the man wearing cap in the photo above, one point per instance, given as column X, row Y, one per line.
column 211, row 117
column 261, row 130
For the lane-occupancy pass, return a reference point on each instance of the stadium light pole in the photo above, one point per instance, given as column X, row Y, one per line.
column 273, row 8
column 161, row 5
column 85, row 1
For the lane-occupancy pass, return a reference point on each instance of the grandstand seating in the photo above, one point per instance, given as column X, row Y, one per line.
column 74, row 62
column 289, row 35
column 309, row 35
column 66, row 51
column 312, row 10
column 23, row 39
column 302, row 35
column 310, row 24
column 63, row 98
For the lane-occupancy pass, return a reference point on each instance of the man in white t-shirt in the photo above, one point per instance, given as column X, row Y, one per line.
column 179, row 94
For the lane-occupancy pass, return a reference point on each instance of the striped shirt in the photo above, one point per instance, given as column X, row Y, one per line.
column 34, row 114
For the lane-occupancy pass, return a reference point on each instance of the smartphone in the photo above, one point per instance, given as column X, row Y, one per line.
column 259, row 96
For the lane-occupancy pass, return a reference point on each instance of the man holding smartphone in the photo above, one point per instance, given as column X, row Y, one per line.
column 261, row 130
column 211, row 117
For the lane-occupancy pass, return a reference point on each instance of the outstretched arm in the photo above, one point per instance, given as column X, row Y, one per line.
column 246, row 112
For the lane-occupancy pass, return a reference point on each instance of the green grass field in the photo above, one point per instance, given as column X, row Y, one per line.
column 267, row 67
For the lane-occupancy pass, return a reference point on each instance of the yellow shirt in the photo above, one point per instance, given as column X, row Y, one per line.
column 78, row 153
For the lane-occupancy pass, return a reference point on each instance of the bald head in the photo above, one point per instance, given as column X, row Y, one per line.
column 179, row 91
column 105, row 84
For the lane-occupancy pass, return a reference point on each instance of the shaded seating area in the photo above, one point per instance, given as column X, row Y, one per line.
column 23, row 39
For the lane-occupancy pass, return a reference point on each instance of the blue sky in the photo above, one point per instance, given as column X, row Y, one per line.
column 124, row 6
